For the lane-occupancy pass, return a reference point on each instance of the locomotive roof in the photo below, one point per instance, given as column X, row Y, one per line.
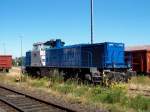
column 92, row 44
column 82, row 45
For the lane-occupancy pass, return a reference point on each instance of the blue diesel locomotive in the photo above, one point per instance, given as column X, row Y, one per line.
column 92, row 62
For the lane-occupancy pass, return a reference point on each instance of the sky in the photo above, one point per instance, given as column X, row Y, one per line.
column 126, row 21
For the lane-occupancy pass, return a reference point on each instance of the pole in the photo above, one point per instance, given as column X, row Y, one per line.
column 91, row 21
column 21, row 51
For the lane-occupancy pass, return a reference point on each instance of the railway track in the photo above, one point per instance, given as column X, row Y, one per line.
column 26, row 103
column 140, row 91
column 6, row 108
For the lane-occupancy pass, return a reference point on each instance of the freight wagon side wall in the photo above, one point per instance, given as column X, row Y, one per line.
column 5, row 62
column 148, row 62
column 138, row 60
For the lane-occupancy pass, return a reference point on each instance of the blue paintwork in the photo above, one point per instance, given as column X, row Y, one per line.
column 28, row 59
column 59, row 43
column 100, row 55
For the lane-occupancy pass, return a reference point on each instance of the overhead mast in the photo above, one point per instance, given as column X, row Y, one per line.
column 91, row 21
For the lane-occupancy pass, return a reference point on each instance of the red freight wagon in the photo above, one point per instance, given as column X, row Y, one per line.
column 5, row 62
column 140, row 59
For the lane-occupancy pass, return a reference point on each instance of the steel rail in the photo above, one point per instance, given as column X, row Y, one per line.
column 144, row 91
column 34, row 98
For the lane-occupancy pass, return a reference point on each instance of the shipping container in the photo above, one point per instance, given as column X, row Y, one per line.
column 102, row 55
column 5, row 62
column 140, row 60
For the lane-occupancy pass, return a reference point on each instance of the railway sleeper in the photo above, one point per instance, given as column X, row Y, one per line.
column 31, row 105
column 18, row 102
column 26, row 104
column 36, row 109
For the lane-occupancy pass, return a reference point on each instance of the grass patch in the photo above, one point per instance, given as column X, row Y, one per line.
column 114, row 98
column 109, row 95
column 143, row 80
column 64, row 88
column 80, row 91
column 39, row 83
column 140, row 103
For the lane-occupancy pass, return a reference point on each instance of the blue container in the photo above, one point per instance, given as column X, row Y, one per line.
column 28, row 58
column 101, row 55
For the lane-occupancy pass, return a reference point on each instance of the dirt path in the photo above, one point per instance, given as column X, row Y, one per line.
column 15, row 71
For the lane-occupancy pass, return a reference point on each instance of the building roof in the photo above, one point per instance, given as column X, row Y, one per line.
column 136, row 48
